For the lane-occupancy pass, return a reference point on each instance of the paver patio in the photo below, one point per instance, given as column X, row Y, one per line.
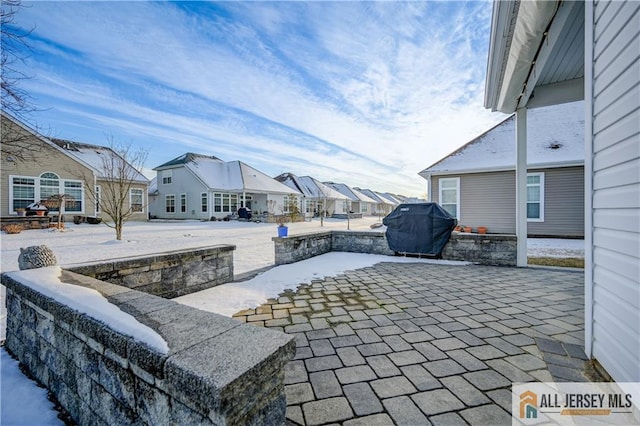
column 419, row 344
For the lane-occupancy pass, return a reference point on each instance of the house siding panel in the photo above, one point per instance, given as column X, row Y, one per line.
column 488, row 199
column 42, row 158
column 182, row 182
column 563, row 203
column 616, row 189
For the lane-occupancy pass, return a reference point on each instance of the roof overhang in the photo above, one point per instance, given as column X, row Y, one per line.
column 556, row 165
column 536, row 54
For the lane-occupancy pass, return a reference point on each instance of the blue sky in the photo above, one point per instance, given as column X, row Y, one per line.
column 364, row 93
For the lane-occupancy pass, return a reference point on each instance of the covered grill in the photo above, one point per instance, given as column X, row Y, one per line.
column 421, row 228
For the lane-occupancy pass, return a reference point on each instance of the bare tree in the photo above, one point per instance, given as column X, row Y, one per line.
column 16, row 102
column 119, row 174
column 15, row 50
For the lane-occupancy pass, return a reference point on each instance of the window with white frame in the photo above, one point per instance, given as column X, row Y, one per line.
column 288, row 202
column 535, row 197
column 170, row 203
column 49, row 186
column 167, row 177
column 183, row 203
column 224, row 202
column 74, row 192
column 449, row 196
column 204, row 202
column 136, row 200
column 363, row 207
column 25, row 190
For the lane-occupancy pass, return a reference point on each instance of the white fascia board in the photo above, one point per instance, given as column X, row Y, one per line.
column 556, row 165
column 532, row 20
column 503, row 13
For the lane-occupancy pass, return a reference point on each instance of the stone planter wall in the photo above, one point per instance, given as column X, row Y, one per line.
column 166, row 275
column 217, row 371
column 488, row 249
column 360, row 242
column 300, row 247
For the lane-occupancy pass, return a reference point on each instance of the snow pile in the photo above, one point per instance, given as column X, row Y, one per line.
column 227, row 299
column 86, row 300
column 23, row 401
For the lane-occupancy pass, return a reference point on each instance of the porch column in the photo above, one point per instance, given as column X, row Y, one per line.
column 521, row 185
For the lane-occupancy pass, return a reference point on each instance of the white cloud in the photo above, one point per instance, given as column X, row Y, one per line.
column 365, row 93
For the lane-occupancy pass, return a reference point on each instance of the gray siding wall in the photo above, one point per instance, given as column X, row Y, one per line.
column 488, row 199
column 182, row 182
column 616, row 188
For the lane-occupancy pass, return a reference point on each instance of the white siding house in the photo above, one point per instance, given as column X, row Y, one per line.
column 195, row 186
column 550, row 52
column 360, row 203
column 317, row 198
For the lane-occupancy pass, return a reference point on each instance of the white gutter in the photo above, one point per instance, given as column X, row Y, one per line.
column 556, row 165
column 532, row 19
column 588, row 179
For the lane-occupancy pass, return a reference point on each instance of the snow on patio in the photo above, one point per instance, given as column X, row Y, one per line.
column 25, row 403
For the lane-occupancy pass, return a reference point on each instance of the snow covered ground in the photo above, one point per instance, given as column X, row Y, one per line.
column 24, row 403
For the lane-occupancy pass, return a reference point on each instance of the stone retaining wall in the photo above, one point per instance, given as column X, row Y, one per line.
column 488, row 249
column 360, row 242
column 218, row 370
column 295, row 248
column 166, row 275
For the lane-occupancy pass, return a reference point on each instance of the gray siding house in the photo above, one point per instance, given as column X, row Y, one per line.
column 477, row 183
column 550, row 52
column 195, row 186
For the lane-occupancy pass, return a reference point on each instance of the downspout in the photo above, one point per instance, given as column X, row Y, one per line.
column 97, row 201
column 588, row 179
column 429, row 197
column 521, row 186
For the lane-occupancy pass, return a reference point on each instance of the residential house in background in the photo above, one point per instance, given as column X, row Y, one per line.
column 396, row 201
column 195, row 186
column 35, row 168
column 360, row 203
column 317, row 198
column 382, row 206
column 477, row 183
column 550, row 52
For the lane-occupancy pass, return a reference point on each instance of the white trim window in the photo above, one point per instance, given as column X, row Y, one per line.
column 287, row 202
column 225, row 202
column 204, row 202
column 170, row 203
column 167, row 177
column 535, row 197
column 449, row 195
column 136, row 200
column 25, row 190
column 183, row 203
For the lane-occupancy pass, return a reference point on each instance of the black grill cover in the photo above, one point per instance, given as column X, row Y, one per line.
column 421, row 228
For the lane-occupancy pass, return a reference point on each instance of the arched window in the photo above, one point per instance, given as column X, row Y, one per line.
column 49, row 185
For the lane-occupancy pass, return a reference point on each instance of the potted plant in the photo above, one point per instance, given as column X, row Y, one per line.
column 20, row 211
column 466, row 229
column 482, row 229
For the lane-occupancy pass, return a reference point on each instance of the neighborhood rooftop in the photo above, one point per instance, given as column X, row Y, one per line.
column 555, row 134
